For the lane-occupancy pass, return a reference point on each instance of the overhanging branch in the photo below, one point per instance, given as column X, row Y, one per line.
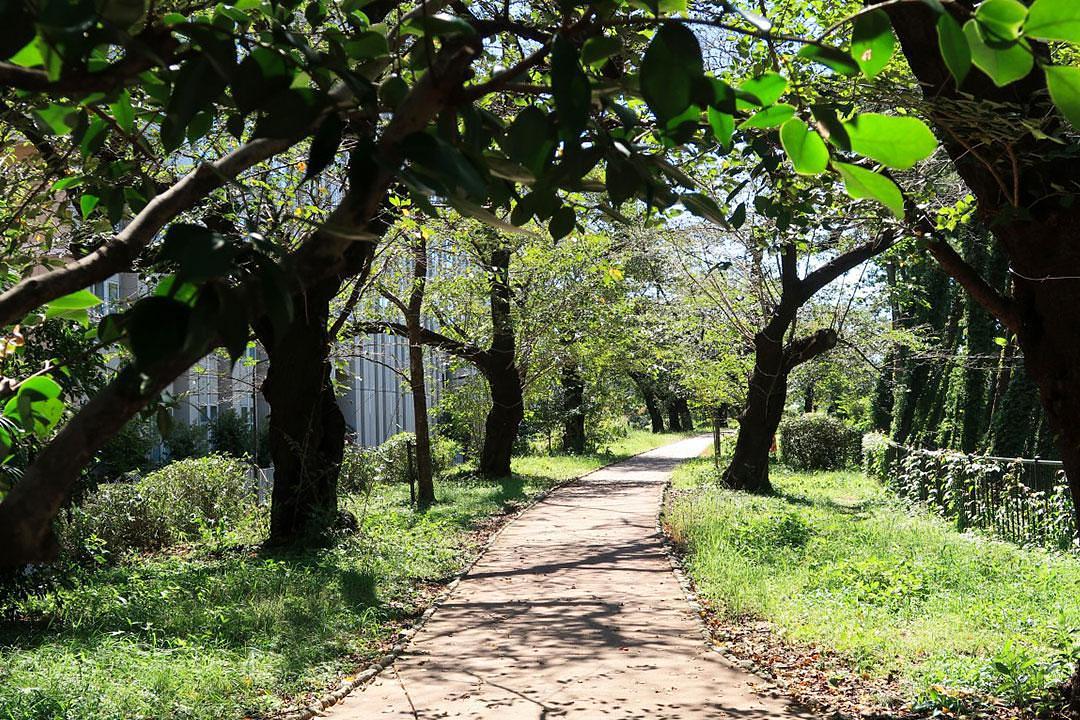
column 959, row 270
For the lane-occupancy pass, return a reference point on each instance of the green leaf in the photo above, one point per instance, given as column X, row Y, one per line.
column 123, row 112
column 836, row 60
column 157, row 328
column 895, row 141
column 1063, row 82
column 562, row 222
column 87, row 203
column 872, row 42
column 42, row 384
column 770, row 117
column 861, row 183
column 671, row 64
column 442, row 24
column 954, row 47
column 1001, row 19
column 200, row 253
column 60, row 119
column 804, row 147
column 597, row 50
column 1002, row 65
column 766, row 89
column 570, row 88
column 529, row 140
column 506, row 169
column 1054, row 20
column 72, row 307
column 704, row 207
column 324, row 146
column 723, row 126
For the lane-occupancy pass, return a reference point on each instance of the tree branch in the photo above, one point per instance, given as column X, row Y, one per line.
column 430, row 338
column 119, row 253
column 959, row 270
column 158, row 48
column 840, row 264
column 809, row 347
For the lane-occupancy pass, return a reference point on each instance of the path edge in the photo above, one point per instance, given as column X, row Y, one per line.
column 764, row 686
column 405, row 637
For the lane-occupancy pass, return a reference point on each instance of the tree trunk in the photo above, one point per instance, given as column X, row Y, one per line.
column 500, row 369
column 307, row 428
column 767, row 395
column 652, row 403
column 674, row 419
column 503, row 421
column 425, row 483
column 808, row 397
column 765, row 398
column 686, row 420
column 573, row 410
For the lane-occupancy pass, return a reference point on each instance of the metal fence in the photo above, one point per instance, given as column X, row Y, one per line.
column 1026, row 501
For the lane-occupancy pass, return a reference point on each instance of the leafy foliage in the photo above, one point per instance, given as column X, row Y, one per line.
column 817, row 441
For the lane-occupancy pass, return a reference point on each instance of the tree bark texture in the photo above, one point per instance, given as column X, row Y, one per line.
column 573, row 410
column 307, row 428
column 425, row 483
column 500, row 368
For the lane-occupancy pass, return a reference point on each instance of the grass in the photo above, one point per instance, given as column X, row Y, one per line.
column 833, row 559
column 228, row 631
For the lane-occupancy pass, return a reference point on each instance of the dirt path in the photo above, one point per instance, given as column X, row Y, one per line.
column 572, row 612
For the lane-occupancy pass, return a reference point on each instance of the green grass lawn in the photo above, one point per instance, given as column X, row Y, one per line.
column 226, row 631
column 835, row 560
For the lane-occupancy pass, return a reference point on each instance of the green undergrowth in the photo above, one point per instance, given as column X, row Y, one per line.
column 833, row 559
column 227, row 630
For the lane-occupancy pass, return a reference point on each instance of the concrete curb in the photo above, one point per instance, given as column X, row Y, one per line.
column 405, row 637
column 700, row 610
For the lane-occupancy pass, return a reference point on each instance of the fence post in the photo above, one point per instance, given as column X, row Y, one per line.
column 411, row 470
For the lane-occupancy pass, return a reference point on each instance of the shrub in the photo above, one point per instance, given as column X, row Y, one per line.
column 113, row 518
column 179, row 502
column 128, row 450
column 875, row 455
column 186, row 441
column 230, row 434
column 357, row 469
column 200, row 493
column 818, row 442
column 389, row 463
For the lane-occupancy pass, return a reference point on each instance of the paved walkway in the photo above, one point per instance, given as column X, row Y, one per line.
column 572, row 612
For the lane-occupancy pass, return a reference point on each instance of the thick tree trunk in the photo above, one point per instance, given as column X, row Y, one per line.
column 573, row 410
column 765, row 398
column 652, row 403
column 503, row 421
column 686, row 420
column 500, row 369
column 425, row 483
column 307, row 428
column 674, row 419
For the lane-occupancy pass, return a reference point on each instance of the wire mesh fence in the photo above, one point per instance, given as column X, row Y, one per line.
column 1026, row 501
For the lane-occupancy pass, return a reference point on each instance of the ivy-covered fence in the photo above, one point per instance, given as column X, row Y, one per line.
column 1026, row 501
